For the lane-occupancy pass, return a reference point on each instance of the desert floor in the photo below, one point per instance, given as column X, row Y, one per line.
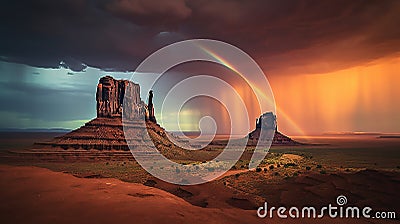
column 64, row 188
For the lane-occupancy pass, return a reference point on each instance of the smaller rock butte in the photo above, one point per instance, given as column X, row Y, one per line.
column 268, row 121
column 106, row 131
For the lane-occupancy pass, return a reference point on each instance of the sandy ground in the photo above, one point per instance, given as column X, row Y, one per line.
column 38, row 195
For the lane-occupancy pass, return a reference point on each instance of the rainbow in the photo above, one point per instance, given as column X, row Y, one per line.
column 259, row 92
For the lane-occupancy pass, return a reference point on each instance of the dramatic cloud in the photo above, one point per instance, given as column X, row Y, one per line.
column 118, row 34
column 157, row 13
column 351, row 48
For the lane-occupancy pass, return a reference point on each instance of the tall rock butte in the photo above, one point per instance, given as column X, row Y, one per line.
column 113, row 95
column 106, row 131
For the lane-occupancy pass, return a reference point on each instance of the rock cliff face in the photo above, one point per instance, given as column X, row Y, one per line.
column 266, row 121
column 110, row 97
column 150, row 108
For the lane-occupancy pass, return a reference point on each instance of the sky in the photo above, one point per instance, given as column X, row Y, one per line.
column 332, row 65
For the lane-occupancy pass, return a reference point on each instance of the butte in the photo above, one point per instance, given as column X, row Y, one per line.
column 106, row 131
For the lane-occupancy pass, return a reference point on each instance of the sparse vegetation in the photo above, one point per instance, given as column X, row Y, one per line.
column 271, row 167
column 289, row 165
column 308, row 168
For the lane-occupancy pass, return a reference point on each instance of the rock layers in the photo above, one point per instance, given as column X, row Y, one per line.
column 106, row 131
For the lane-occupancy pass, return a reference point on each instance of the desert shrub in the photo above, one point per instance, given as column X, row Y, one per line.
column 258, row 169
column 75, row 146
column 276, row 174
column 150, row 183
column 279, row 165
column 295, row 174
column 184, row 181
column 289, row 165
column 265, row 169
column 322, row 172
column 237, row 175
column 319, row 166
column 271, row 167
column 308, row 168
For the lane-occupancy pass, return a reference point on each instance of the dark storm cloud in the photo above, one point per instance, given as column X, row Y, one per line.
column 118, row 34
column 286, row 33
column 43, row 33
column 43, row 102
column 152, row 13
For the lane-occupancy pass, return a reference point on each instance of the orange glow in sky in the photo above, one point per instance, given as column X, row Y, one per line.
column 361, row 98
